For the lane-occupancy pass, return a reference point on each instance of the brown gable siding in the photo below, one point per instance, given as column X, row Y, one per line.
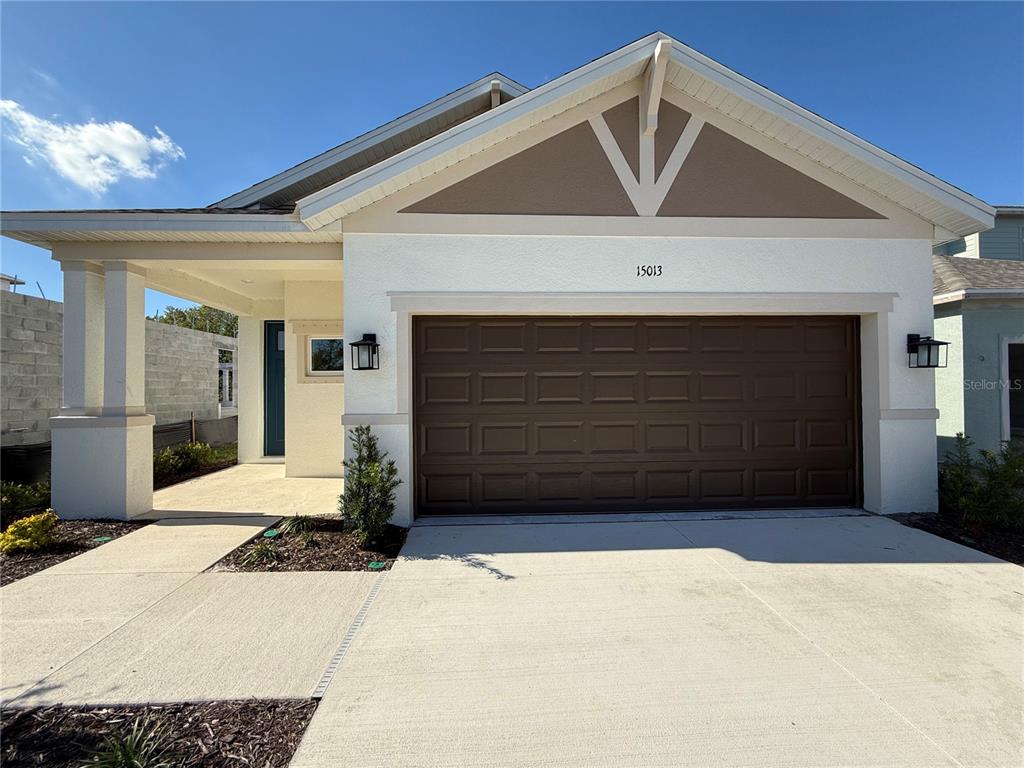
column 566, row 175
column 671, row 122
column 724, row 177
column 624, row 123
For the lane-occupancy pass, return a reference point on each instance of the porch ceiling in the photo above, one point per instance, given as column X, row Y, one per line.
column 232, row 287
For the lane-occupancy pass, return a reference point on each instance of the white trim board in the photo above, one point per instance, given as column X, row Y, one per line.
column 640, row 303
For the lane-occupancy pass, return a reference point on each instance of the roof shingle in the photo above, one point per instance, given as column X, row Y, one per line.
column 961, row 273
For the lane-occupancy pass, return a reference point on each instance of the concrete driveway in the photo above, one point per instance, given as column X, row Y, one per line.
column 844, row 641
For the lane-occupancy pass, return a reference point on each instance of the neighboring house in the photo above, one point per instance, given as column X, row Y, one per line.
column 1004, row 241
column 8, row 283
column 182, row 369
column 649, row 284
column 979, row 308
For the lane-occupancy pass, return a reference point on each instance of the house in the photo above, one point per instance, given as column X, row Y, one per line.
column 8, row 283
column 979, row 307
column 649, row 284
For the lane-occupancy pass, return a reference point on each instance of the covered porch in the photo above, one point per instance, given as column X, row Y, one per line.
column 290, row 435
column 246, row 490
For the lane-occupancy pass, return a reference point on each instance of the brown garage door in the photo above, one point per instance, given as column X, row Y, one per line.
column 574, row 414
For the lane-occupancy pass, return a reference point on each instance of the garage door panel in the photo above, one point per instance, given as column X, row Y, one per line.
column 503, row 388
column 610, row 414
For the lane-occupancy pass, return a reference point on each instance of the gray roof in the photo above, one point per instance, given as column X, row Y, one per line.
column 281, row 210
column 372, row 147
column 960, row 273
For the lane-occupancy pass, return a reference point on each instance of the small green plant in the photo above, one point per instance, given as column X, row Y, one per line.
column 141, row 747
column 297, row 524
column 29, row 534
column 985, row 489
column 24, row 497
column 370, row 482
column 308, row 539
column 263, row 551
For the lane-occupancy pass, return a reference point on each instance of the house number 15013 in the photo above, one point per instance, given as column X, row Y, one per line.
column 648, row 270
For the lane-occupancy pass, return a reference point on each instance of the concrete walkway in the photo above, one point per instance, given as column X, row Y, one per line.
column 137, row 620
column 248, row 489
column 848, row 641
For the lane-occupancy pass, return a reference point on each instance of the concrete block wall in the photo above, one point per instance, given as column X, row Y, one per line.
column 31, row 356
column 181, row 369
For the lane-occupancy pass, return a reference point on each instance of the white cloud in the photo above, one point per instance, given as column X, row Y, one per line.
column 91, row 155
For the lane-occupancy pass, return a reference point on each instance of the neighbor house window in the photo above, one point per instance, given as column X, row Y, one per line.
column 326, row 356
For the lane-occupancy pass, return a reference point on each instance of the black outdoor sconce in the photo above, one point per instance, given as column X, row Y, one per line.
column 926, row 352
column 366, row 353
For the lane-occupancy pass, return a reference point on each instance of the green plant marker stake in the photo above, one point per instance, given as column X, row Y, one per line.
column 103, row 539
column 270, row 533
column 376, row 565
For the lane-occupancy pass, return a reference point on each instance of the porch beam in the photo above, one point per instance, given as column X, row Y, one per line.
column 196, row 289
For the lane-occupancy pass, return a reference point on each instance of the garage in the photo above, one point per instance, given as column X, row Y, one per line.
column 622, row 413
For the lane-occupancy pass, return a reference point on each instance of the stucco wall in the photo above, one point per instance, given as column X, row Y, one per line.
column 949, row 381
column 181, row 369
column 987, row 325
column 314, row 436
column 899, row 445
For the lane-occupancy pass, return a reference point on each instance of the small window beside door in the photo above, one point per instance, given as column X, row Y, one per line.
column 325, row 356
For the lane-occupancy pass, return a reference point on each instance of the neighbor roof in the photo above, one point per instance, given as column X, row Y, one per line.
column 958, row 277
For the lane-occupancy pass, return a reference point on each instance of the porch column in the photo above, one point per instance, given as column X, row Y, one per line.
column 102, row 460
column 83, row 339
column 124, row 368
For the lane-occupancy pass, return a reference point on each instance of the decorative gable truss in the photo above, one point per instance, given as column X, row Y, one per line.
column 653, row 138
column 646, row 157
column 648, row 174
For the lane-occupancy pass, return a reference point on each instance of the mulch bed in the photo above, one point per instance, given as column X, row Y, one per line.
column 72, row 537
column 166, row 481
column 219, row 734
column 1002, row 543
column 332, row 549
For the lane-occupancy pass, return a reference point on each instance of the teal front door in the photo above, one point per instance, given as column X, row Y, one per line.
column 273, row 388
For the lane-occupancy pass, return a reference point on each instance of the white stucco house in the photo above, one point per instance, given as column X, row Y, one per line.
column 649, row 284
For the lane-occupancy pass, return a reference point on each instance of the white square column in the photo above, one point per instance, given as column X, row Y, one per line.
column 124, row 340
column 102, row 465
column 83, row 339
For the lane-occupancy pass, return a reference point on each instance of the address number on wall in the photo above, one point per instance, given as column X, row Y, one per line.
column 648, row 270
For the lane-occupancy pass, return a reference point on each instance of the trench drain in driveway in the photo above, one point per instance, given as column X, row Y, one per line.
column 346, row 642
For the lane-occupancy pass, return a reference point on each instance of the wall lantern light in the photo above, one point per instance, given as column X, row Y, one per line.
column 366, row 353
column 926, row 352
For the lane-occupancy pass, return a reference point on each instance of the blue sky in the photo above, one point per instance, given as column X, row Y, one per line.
column 244, row 90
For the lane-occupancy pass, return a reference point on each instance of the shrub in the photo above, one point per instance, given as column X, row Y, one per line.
column 987, row 489
column 29, row 534
column 141, row 747
column 370, row 482
column 187, row 457
column 264, row 551
column 19, row 497
column 297, row 524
